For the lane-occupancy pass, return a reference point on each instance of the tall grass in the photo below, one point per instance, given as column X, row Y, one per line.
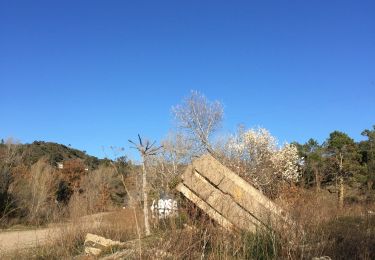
column 321, row 230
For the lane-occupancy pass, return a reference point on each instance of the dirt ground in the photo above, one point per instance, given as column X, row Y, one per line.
column 15, row 240
column 11, row 240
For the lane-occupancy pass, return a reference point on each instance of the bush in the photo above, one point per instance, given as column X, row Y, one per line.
column 351, row 237
column 34, row 192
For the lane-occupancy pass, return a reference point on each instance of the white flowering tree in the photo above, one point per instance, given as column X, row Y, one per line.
column 255, row 155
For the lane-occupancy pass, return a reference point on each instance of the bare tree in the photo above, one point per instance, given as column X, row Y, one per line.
column 176, row 150
column 10, row 156
column 199, row 117
column 131, row 198
column 35, row 191
column 145, row 150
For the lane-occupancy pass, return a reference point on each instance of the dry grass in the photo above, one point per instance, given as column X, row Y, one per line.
column 346, row 234
column 67, row 243
column 67, row 239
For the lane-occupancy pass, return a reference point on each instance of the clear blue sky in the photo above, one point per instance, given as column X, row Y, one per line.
column 96, row 73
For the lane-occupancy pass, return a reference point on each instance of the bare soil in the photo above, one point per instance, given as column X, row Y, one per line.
column 11, row 240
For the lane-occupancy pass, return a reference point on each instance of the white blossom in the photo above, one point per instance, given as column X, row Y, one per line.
column 256, row 151
column 285, row 161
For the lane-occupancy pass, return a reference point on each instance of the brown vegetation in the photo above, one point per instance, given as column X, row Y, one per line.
column 327, row 190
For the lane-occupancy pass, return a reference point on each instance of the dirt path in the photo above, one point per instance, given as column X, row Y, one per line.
column 22, row 239
column 15, row 240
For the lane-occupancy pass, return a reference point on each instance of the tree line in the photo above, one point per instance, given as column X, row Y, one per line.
column 339, row 160
column 254, row 154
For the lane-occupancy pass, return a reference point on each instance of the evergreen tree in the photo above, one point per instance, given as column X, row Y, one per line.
column 368, row 156
column 343, row 155
column 312, row 162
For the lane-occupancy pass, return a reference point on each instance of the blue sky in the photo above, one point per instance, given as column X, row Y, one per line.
column 96, row 73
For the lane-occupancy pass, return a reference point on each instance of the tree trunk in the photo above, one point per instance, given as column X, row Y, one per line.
column 371, row 172
column 341, row 182
column 370, row 183
column 341, row 192
column 174, row 167
column 317, row 179
column 145, row 198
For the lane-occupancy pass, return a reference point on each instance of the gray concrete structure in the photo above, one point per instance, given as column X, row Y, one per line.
column 229, row 199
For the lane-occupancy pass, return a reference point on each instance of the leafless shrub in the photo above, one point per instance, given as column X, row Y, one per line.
column 34, row 191
column 9, row 157
column 95, row 192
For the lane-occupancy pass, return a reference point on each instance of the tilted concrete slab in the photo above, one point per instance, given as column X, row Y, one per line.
column 204, row 206
column 224, row 195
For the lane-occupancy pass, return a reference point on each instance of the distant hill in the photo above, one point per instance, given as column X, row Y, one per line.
column 54, row 152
